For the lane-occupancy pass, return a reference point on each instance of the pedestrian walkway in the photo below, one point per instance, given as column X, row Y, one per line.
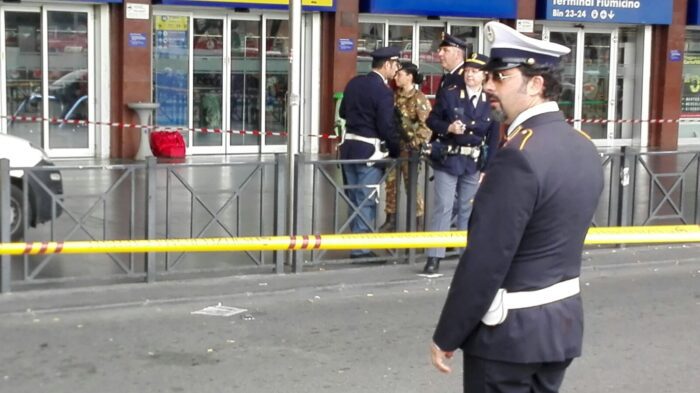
column 353, row 330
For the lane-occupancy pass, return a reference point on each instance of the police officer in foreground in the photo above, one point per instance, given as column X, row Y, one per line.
column 368, row 109
column 514, row 306
column 467, row 137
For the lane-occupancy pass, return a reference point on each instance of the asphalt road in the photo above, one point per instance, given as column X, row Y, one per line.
column 354, row 330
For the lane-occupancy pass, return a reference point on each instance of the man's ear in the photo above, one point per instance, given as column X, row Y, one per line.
column 535, row 85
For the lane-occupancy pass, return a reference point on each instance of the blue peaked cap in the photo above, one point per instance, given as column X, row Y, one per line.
column 387, row 52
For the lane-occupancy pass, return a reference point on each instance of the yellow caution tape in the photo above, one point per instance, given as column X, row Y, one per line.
column 596, row 236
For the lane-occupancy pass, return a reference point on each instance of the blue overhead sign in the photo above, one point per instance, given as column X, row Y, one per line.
column 693, row 12
column 642, row 12
column 472, row 9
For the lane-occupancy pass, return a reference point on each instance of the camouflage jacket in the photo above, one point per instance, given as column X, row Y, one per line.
column 413, row 109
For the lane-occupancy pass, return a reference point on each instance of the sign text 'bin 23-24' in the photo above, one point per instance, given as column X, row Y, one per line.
column 645, row 12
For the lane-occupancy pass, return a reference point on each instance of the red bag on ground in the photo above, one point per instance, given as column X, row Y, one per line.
column 168, row 144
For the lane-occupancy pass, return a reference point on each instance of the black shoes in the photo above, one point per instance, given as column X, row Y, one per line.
column 390, row 223
column 432, row 265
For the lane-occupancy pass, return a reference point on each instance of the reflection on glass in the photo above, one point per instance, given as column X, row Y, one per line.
column 371, row 37
column 596, row 79
column 568, row 63
column 428, row 60
column 690, row 99
column 68, row 78
column 468, row 34
column 171, row 70
column 208, row 86
column 245, row 80
column 23, row 75
column 276, row 79
column 627, row 97
column 402, row 37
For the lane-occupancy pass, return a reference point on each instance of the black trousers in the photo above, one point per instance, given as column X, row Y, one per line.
column 490, row 376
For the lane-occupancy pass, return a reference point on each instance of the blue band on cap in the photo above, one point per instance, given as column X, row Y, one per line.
column 518, row 56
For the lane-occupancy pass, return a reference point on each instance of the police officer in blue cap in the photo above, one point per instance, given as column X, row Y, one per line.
column 451, row 53
column 368, row 110
column 467, row 137
column 514, row 306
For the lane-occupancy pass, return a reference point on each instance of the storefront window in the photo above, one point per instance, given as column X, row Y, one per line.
column 429, row 38
column 627, row 91
column 371, row 37
column 66, row 35
column 468, row 34
column 68, row 78
column 690, row 100
column 208, row 66
column 171, row 70
column 23, row 75
column 567, row 98
column 596, row 80
column 245, row 80
column 276, row 79
column 402, row 37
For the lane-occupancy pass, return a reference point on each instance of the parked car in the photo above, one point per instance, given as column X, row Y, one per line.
column 43, row 187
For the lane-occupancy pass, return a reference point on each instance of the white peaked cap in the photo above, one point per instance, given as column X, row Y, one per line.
column 510, row 49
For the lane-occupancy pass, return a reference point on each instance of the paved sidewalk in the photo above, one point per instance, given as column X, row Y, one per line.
column 352, row 330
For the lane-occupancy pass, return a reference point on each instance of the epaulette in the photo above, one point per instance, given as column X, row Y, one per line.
column 583, row 133
column 519, row 131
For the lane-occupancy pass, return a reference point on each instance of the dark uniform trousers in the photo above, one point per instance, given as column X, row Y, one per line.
column 531, row 215
column 457, row 176
column 491, row 376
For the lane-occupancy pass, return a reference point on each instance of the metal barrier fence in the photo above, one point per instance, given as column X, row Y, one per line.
column 239, row 197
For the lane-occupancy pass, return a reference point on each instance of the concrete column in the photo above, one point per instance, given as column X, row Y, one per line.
column 667, row 78
column 337, row 68
column 131, row 76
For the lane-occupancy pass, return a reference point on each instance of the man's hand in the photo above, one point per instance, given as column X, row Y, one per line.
column 439, row 358
column 456, row 127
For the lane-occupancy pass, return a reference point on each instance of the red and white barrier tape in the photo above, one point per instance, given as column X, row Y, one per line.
column 55, row 120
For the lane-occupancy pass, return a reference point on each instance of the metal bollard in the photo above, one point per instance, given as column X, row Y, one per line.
column 150, row 257
column 5, row 221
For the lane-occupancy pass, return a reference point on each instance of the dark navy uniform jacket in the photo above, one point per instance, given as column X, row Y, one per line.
column 452, row 103
column 368, row 110
column 531, row 215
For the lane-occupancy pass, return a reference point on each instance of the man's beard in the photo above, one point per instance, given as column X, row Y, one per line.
column 498, row 115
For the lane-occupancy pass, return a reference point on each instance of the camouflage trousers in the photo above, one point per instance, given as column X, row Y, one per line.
column 391, row 188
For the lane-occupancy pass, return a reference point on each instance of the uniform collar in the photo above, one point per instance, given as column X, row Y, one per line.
column 380, row 75
column 549, row 106
column 473, row 92
column 454, row 70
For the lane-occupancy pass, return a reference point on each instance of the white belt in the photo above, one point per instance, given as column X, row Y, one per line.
column 504, row 300
column 468, row 151
column 354, row 137
column 376, row 142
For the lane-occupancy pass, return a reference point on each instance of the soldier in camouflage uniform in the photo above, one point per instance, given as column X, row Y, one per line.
column 412, row 109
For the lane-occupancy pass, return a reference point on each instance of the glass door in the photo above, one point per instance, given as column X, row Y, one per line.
column 207, row 85
column 590, row 88
column 245, row 67
column 48, row 58
column 276, row 83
